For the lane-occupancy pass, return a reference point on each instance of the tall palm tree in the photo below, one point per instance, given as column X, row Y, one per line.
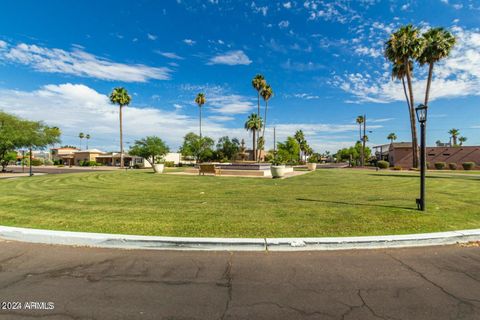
column 87, row 136
column 392, row 137
column 200, row 101
column 300, row 137
column 258, row 83
column 399, row 71
column 454, row 134
column 266, row 94
column 462, row 140
column 253, row 124
column 81, row 136
column 120, row 97
column 404, row 46
column 438, row 44
column 360, row 121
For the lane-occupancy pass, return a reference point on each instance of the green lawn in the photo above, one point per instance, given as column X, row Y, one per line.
column 322, row 203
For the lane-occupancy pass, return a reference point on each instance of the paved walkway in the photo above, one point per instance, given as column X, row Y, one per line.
column 84, row 283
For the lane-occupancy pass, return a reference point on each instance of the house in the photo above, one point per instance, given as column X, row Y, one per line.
column 58, row 154
column 400, row 154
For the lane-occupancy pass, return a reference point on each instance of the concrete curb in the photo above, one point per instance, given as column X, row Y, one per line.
column 105, row 240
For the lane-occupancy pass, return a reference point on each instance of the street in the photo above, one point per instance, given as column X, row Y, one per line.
column 90, row 283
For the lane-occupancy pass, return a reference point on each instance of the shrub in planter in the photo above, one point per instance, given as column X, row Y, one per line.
column 452, row 166
column 397, row 168
column 169, row 164
column 468, row 165
column 383, row 164
column 440, row 165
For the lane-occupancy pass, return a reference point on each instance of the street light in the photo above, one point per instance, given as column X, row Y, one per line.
column 421, row 112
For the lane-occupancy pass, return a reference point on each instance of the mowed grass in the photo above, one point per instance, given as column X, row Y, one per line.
column 322, row 203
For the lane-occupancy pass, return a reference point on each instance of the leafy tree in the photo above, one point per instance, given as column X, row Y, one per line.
column 17, row 133
column 198, row 148
column 120, row 97
column 404, row 46
column 392, row 137
column 227, row 149
column 150, row 148
column 353, row 153
column 289, row 151
column 438, row 42
column 254, row 124
column 462, row 140
column 7, row 158
column 200, row 101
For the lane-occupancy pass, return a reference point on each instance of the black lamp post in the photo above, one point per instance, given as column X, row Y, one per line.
column 421, row 111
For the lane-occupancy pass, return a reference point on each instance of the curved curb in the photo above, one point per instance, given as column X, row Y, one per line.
column 105, row 240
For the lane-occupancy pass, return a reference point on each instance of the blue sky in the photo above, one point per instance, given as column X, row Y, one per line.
column 60, row 60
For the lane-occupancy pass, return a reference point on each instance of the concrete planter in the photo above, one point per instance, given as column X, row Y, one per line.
column 311, row 166
column 158, row 167
column 278, row 171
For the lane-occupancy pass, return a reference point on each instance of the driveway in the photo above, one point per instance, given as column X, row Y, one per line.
column 87, row 283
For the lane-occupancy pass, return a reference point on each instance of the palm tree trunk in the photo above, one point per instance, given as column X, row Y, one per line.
column 200, row 108
column 264, row 125
column 412, row 119
column 429, row 81
column 253, row 146
column 364, row 138
column 121, row 139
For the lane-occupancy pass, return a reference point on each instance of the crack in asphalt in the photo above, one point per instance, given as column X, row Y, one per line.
column 227, row 276
column 466, row 301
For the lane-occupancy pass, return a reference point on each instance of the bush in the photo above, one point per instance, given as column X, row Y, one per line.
column 382, row 164
column 60, row 165
column 48, row 162
column 87, row 163
column 37, row 162
column 313, row 159
column 468, row 165
column 397, row 168
column 169, row 164
column 440, row 165
column 452, row 166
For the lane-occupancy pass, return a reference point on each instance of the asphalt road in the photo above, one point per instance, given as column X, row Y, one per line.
column 86, row 283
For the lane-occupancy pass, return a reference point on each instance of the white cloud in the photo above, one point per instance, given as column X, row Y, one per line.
column 456, row 76
column 177, row 106
column 221, row 118
column 151, row 36
column 80, row 63
column 258, row 9
column 405, row 7
column 284, row 24
column 305, row 96
column 368, row 51
column 301, row 66
column 229, row 104
column 76, row 107
column 287, row 5
column 236, row 57
column 3, row 44
column 170, row 55
column 189, row 42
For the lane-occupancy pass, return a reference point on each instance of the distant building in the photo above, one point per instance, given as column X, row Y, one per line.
column 400, row 154
column 75, row 157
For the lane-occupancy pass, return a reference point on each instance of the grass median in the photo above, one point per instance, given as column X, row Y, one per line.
column 322, row 203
